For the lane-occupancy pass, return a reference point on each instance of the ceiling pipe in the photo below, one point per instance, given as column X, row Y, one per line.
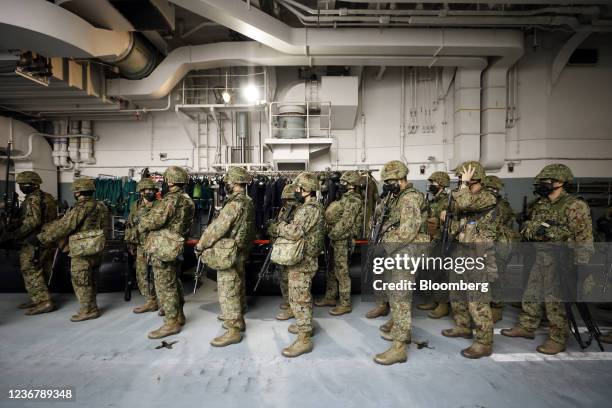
column 182, row 60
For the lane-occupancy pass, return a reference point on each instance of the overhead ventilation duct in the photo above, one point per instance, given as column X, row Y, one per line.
column 47, row 29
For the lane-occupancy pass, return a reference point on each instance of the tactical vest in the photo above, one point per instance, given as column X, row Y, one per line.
column 49, row 207
column 316, row 235
column 394, row 214
column 544, row 210
column 96, row 216
column 242, row 228
column 182, row 219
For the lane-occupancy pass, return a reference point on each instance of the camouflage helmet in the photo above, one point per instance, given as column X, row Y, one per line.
column 28, row 177
column 176, row 175
column 441, row 178
column 493, row 182
column 306, row 181
column 333, row 212
column 288, row 191
column 479, row 171
column 237, row 175
column 83, row 184
column 351, row 177
column 556, row 171
column 146, row 184
column 394, row 170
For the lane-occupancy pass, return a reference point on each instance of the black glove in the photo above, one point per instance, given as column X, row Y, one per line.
column 33, row 240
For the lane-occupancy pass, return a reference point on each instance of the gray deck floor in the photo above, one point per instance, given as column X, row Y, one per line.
column 109, row 362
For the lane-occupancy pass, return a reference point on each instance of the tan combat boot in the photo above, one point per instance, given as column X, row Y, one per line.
column 241, row 324
column 302, row 345
column 395, row 354
column 386, row 328
column 477, row 350
column 220, row 317
column 457, row 331
column 284, row 305
column 161, row 312
column 440, row 311
column 44, row 307
column 26, row 305
column 518, row 331
column 379, row 310
column 325, row 302
column 606, row 338
column 231, row 336
column 550, row 347
column 285, row 314
column 149, row 306
column 85, row 315
column 293, row 329
column 340, row 310
column 496, row 314
column 181, row 317
column 167, row 329
column 427, row 306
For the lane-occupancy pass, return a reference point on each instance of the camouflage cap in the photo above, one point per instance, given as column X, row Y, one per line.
column 176, row 175
column 238, row 175
column 288, row 191
column 479, row 171
column 28, row 177
column 440, row 177
column 333, row 212
column 493, row 182
column 351, row 177
column 556, row 171
column 394, row 170
column 83, row 184
column 306, row 181
column 146, row 184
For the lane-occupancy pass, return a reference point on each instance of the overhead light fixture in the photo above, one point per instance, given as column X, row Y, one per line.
column 251, row 93
column 227, row 97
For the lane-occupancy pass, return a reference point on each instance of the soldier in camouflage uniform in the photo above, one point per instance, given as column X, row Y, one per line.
column 402, row 227
column 343, row 228
column 504, row 219
column 38, row 208
column 86, row 215
column 174, row 213
column 148, row 197
column 288, row 199
column 555, row 217
column 473, row 224
column 235, row 222
column 382, row 301
column 438, row 182
column 308, row 225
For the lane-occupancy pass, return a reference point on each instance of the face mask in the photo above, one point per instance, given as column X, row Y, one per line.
column 165, row 188
column 150, row 196
column 544, row 189
column 433, row 189
column 342, row 188
column 298, row 197
column 26, row 188
column 76, row 196
column 391, row 188
column 229, row 188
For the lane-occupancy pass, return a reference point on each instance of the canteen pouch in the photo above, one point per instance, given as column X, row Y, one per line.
column 86, row 243
column 287, row 252
column 164, row 245
column 222, row 255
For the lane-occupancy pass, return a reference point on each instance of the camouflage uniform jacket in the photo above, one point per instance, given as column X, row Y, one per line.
column 349, row 224
column 505, row 213
column 566, row 219
column 405, row 217
column 273, row 226
column 235, row 220
column 475, row 219
column 436, row 205
column 37, row 209
column 174, row 212
column 138, row 211
column 86, row 215
column 308, row 223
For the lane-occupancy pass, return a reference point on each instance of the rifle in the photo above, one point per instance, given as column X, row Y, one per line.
column 149, row 276
column 53, row 266
column 197, row 275
column 127, row 289
column 264, row 272
column 522, row 217
column 376, row 233
column 446, row 240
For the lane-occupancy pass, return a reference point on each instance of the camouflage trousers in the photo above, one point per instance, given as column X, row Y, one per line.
column 300, row 295
column 331, row 282
column 168, row 288
column 284, row 282
column 146, row 288
column 83, row 281
column 543, row 295
column 401, row 306
column 473, row 306
column 36, row 271
column 341, row 270
column 230, row 283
